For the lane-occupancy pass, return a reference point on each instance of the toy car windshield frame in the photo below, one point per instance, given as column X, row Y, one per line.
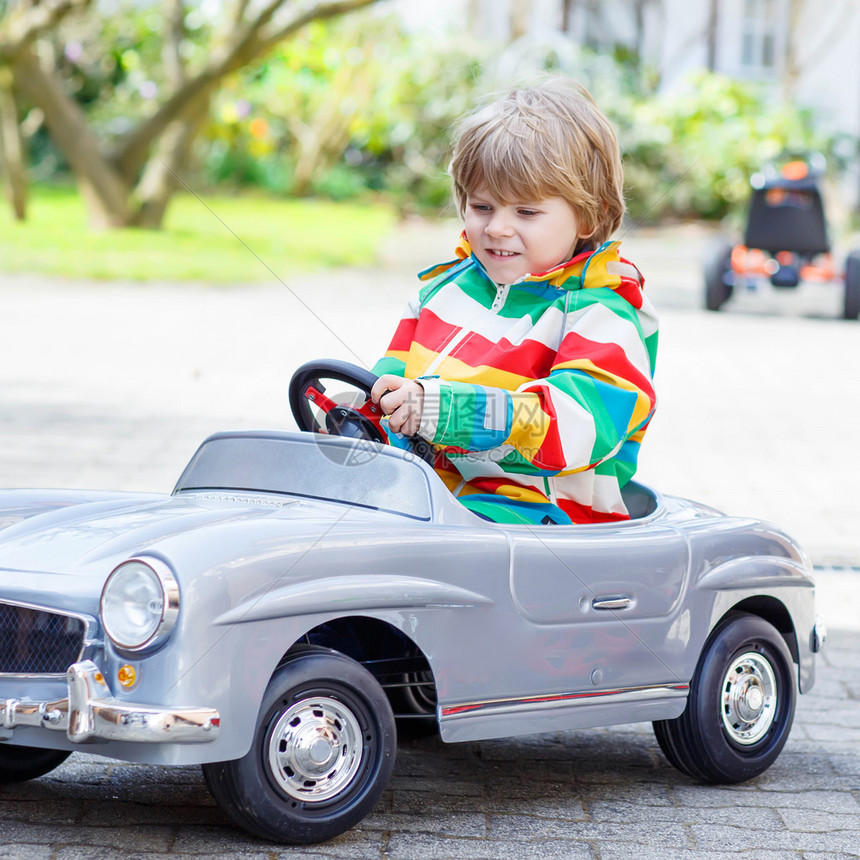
column 377, row 477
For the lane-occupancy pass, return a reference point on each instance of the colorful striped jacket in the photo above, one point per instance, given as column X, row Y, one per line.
column 537, row 393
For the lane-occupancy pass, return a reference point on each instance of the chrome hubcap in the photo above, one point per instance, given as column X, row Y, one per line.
column 315, row 749
column 748, row 698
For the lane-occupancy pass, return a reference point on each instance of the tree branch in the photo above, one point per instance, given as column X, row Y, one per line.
column 319, row 13
column 68, row 127
column 131, row 152
column 174, row 33
column 20, row 28
column 237, row 13
column 12, row 155
column 159, row 178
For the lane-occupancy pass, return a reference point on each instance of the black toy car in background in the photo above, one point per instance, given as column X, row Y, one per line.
column 785, row 242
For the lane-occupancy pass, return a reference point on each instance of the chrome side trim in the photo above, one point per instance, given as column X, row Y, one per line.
column 90, row 713
column 560, row 700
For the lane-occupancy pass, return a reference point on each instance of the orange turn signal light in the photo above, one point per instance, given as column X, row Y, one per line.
column 126, row 676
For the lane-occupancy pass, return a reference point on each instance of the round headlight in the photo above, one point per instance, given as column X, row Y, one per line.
column 139, row 604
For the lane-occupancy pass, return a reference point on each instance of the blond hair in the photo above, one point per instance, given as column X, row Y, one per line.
column 550, row 140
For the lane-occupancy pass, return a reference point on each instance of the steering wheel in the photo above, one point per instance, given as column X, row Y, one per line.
column 348, row 416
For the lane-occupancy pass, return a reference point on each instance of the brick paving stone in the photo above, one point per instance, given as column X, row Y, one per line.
column 429, row 848
column 80, row 852
column 622, row 813
column 443, row 823
column 21, row 851
column 827, row 855
column 623, row 852
column 741, row 838
column 516, row 828
column 733, row 797
column 816, row 821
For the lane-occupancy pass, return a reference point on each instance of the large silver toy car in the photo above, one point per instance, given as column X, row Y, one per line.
column 298, row 597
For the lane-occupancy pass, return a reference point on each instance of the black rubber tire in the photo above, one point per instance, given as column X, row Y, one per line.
column 718, row 263
column 698, row 742
column 851, row 303
column 248, row 789
column 18, row 764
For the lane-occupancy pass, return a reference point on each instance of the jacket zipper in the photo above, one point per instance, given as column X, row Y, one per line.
column 440, row 357
column 501, row 296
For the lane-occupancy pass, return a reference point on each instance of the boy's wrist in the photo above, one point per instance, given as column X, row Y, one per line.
column 430, row 408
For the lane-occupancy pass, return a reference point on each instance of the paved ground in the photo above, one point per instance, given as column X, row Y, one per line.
column 114, row 386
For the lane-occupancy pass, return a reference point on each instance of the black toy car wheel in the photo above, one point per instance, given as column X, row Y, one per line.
column 718, row 267
column 851, row 305
column 322, row 753
column 18, row 764
column 741, row 704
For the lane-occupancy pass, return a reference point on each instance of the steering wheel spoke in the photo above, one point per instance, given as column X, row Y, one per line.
column 349, row 416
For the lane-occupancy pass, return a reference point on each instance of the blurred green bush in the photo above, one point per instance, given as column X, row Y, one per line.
column 345, row 108
column 692, row 153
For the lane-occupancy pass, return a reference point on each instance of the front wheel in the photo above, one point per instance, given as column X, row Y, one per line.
column 741, row 704
column 18, row 764
column 322, row 753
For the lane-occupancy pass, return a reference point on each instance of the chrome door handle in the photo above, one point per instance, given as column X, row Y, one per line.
column 611, row 602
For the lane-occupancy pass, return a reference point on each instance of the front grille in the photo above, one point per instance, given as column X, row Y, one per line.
column 36, row 642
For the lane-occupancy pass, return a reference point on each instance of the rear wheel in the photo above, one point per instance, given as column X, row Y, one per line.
column 851, row 305
column 718, row 273
column 741, row 704
column 322, row 753
column 18, row 764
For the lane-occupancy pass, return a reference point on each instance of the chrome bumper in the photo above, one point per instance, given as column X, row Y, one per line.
column 90, row 713
column 819, row 636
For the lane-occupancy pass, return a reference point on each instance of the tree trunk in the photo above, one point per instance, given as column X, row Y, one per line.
column 519, row 17
column 130, row 185
column 100, row 184
column 163, row 174
column 12, row 149
column 566, row 15
column 321, row 141
column 711, row 35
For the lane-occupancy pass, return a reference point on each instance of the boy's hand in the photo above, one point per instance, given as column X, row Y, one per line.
column 402, row 400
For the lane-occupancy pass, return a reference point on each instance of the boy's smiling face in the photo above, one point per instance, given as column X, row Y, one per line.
column 522, row 238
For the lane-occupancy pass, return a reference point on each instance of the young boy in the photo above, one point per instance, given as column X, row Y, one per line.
column 528, row 361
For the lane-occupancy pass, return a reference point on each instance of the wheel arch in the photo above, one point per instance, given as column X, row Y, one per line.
column 392, row 656
column 780, row 590
column 776, row 613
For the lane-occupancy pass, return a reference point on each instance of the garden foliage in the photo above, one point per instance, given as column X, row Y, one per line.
column 359, row 106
